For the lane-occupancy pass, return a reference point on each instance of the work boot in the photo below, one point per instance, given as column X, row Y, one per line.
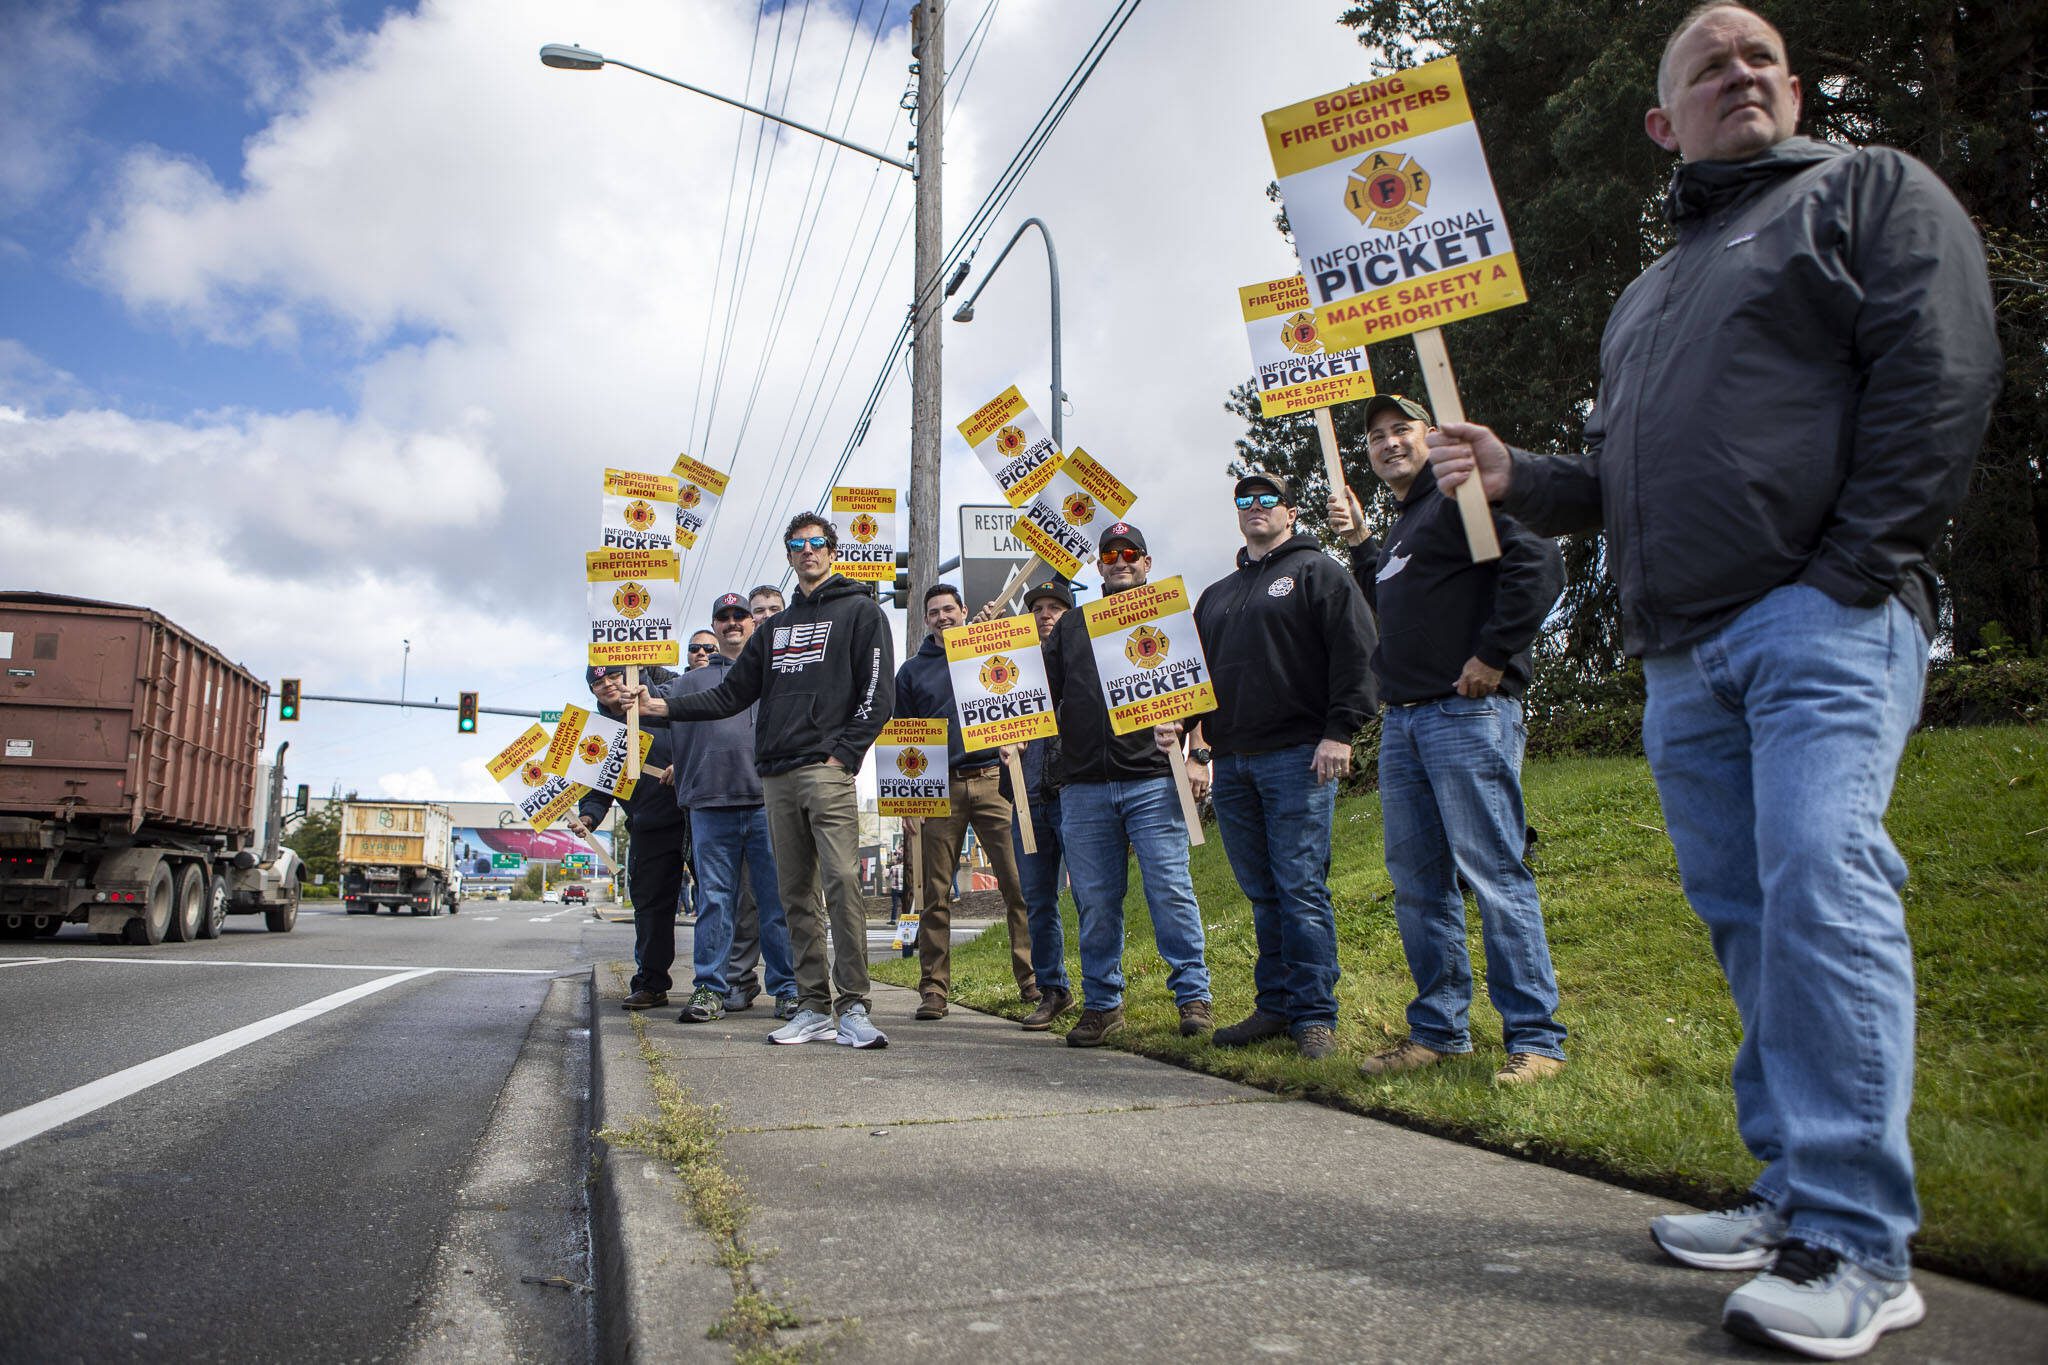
column 1051, row 1005
column 934, row 1006
column 1409, row 1055
column 644, row 1000
column 1315, row 1042
column 1094, row 1026
column 1195, row 1019
column 1523, row 1068
column 1255, row 1027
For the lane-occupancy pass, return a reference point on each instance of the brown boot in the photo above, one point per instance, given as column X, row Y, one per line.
column 1408, row 1056
column 1094, row 1026
column 934, row 1006
column 1051, row 1005
column 1524, row 1068
column 1195, row 1019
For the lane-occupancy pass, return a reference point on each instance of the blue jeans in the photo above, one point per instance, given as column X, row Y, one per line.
column 726, row 836
column 1039, row 877
column 1275, row 819
column 1097, row 821
column 1775, row 743
column 1451, row 802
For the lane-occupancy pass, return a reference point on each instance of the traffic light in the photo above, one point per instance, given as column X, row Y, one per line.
column 288, row 699
column 465, row 714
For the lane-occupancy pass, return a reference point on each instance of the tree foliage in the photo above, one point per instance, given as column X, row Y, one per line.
column 317, row 840
column 1559, row 88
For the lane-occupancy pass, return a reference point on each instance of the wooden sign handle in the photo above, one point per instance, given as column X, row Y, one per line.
column 1333, row 462
column 632, row 722
column 602, row 856
column 1022, row 802
column 1448, row 407
column 1030, row 566
column 1188, row 810
column 914, row 869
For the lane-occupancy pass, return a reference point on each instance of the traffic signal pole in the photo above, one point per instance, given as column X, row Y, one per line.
column 435, row 705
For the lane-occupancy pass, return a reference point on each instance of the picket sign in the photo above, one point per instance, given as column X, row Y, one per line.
column 1148, row 657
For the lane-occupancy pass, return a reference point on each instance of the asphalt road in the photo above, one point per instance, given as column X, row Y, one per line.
column 310, row 1146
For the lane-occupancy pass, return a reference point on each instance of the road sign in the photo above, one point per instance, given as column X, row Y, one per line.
column 550, row 717
column 511, row 861
column 989, row 554
column 576, row 860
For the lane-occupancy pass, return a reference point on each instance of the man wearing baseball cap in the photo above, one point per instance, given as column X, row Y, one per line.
column 1452, row 663
column 1040, row 872
column 717, row 784
column 1287, row 637
column 1117, row 792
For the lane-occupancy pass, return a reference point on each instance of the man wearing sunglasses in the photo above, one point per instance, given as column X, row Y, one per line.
column 821, row 673
column 718, row 787
column 703, row 645
column 1287, row 637
column 1117, row 793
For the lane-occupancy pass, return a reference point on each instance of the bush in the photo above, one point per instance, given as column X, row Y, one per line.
column 1989, row 687
column 309, row 892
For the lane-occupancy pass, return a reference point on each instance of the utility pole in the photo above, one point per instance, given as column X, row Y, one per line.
column 928, row 46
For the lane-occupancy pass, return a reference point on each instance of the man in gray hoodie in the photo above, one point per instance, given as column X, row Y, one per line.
column 1790, row 402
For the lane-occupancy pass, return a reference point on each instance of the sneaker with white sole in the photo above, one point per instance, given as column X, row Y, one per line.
column 1814, row 1302
column 1744, row 1238
column 807, row 1027
column 857, row 1030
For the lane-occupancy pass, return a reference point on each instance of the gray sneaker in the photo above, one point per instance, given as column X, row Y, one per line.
column 857, row 1030
column 785, row 1007
column 704, row 1007
column 807, row 1027
column 1731, row 1239
column 1814, row 1302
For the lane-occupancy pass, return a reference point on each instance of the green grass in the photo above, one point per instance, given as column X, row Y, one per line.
column 1646, row 1101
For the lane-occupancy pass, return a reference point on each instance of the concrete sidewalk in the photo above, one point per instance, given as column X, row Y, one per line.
column 979, row 1193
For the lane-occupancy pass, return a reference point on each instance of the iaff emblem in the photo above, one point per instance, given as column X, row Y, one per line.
column 1010, row 440
column 1300, row 334
column 689, row 495
column 593, row 749
column 912, row 762
column 1078, row 509
column 999, row 674
column 533, row 775
column 631, row 600
column 1147, row 647
column 1387, row 190
column 639, row 515
column 865, row 528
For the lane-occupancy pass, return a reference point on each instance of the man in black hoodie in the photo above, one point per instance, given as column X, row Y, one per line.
column 1287, row 637
column 1452, row 664
column 1790, row 402
column 820, row 670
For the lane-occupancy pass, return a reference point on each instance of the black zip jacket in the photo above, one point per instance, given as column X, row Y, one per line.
column 651, row 809
column 1088, row 750
column 1288, row 639
column 1437, row 609
column 924, row 687
column 1794, row 394
column 820, row 670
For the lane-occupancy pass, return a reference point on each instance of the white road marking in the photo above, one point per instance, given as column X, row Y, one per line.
column 483, row 919
column 26, row 961
column 309, row 966
column 23, row 1124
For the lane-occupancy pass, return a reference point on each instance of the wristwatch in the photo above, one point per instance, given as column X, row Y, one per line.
column 1200, row 756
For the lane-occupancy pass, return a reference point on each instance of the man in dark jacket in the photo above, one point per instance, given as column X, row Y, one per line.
column 820, row 669
column 1287, row 638
column 1039, row 873
column 924, row 687
column 716, row 784
column 654, row 856
column 1452, row 664
column 1790, row 403
column 1117, row 797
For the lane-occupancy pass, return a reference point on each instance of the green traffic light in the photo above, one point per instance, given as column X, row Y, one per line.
column 288, row 712
column 468, row 724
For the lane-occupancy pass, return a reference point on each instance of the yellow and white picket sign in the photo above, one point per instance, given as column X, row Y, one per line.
column 639, row 511
column 1065, row 521
column 635, row 605
column 912, row 776
column 1394, row 213
column 1000, row 692
column 520, row 768
column 590, row 748
column 1293, row 370
column 1149, row 657
column 866, row 518
column 698, row 489
column 1013, row 445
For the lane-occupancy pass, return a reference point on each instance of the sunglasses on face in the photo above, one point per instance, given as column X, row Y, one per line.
column 796, row 543
column 733, row 616
column 703, row 649
column 1266, row 500
column 1124, row 556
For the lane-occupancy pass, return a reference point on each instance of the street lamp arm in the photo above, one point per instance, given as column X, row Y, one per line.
column 965, row 313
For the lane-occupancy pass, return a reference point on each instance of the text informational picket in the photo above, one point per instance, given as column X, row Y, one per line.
column 1149, row 656
column 520, row 769
column 866, row 518
column 1394, row 213
column 639, row 511
column 911, row 772
column 635, row 600
column 1290, row 367
column 698, row 489
column 591, row 749
column 1064, row 522
column 1013, row 445
column 1000, row 692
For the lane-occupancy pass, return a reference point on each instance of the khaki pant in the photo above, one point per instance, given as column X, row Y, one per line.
column 814, row 824
column 977, row 800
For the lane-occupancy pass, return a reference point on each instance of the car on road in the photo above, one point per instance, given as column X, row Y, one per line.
column 550, row 898
column 578, row 894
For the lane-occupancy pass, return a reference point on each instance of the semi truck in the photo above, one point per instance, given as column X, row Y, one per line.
column 133, row 795
column 395, row 855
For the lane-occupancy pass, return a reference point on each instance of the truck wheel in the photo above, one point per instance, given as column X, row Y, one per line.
column 281, row 919
column 216, row 912
column 147, row 929
column 191, row 906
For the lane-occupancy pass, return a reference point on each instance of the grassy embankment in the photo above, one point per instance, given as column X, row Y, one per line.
column 1646, row 1100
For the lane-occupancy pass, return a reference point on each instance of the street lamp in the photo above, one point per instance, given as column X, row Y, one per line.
column 965, row 313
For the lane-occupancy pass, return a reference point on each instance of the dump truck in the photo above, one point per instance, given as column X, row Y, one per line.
column 395, row 855
column 133, row 796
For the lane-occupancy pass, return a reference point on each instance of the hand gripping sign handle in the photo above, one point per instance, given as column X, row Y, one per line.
column 632, row 722
column 1333, row 464
column 1022, row 801
column 1448, row 407
column 1187, row 794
